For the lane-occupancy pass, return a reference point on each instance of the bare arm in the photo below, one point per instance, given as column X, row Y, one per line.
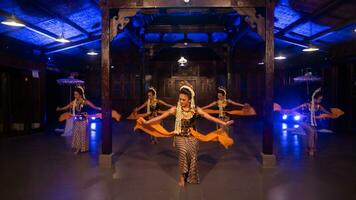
column 165, row 104
column 324, row 110
column 65, row 107
column 213, row 119
column 235, row 103
column 210, row 105
column 161, row 117
column 300, row 106
column 142, row 106
column 90, row 104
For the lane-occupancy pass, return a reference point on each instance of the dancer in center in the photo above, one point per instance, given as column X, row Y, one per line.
column 185, row 136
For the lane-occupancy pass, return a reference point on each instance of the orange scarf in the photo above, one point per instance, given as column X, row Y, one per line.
column 68, row 115
column 157, row 130
column 335, row 112
column 249, row 111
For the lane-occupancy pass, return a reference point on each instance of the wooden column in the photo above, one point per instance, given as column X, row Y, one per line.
column 142, row 75
column 352, row 98
column 228, row 69
column 268, row 158
column 106, row 154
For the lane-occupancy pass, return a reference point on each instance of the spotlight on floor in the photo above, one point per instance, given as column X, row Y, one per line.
column 284, row 117
column 284, row 126
column 297, row 117
column 93, row 126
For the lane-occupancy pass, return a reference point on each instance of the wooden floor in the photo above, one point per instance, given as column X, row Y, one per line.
column 42, row 166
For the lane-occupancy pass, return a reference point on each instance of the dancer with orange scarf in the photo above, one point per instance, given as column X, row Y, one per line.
column 185, row 136
column 80, row 140
column 222, row 104
column 153, row 106
column 314, row 110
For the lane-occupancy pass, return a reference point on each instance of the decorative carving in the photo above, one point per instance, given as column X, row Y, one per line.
column 254, row 20
column 120, row 21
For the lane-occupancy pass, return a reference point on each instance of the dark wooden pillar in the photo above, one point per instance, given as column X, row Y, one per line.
column 105, row 158
column 142, row 74
column 352, row 98
column 267, row 144
column 228, row 69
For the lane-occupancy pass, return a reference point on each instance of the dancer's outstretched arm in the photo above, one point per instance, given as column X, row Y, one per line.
column 165, row 104
column 90, row 104
column 65, row 107
column 236, row 103
column 213, row 119
column 159, row 118
column 300, row 106
column 324, row 110
column 210, row 105
column 142, row 106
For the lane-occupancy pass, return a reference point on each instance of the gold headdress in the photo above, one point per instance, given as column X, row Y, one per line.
column 221, row 88
column 149, row 101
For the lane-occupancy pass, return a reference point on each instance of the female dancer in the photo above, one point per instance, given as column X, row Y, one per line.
column 222, row 104
column 152, row 107
column 309, row 124
column 185, row 137
column 79, row 106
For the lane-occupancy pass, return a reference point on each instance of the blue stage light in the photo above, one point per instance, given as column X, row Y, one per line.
column 284, row 117
column 93, row 126
column 297, row 117
column 284, row 126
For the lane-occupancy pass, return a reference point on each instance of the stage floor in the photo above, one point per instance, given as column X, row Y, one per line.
column 42, row 166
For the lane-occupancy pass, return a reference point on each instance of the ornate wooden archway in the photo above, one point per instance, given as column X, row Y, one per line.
column 264, row 26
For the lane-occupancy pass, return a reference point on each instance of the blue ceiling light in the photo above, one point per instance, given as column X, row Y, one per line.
column 311, row 48
column 62, row 39
column 12, row 21
column 92, row 53
column 280, row 57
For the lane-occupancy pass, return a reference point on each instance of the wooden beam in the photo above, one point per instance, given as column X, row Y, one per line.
column 326, row 8
column 335, row 28
column 254, row 20
column 185, row 28
column 292, row 41
column 31, row 26
column 59, row 16
column 243, row 30
column 105, row 80
column 181, row 4
column 267, row 142
column 73, row 45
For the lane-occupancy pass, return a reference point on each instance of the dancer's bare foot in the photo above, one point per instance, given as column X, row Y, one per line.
column 311, row 151
column 76, row 152
column 181, row 181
